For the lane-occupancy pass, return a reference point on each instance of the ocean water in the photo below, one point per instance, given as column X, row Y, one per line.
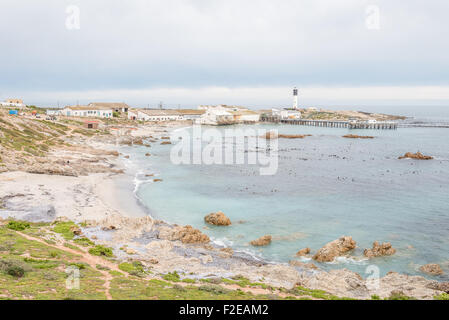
column 325, row 187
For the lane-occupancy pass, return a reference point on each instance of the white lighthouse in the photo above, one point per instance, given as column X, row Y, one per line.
column 295, row 98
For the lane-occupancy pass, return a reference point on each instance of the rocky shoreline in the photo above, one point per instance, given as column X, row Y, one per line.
column 70, row 191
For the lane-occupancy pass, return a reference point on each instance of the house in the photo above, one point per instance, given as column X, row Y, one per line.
column 89, row 124
column 115, row 106
column 87, row 111
column 15, row 103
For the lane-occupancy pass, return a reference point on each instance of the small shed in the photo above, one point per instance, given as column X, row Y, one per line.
column 91, row 124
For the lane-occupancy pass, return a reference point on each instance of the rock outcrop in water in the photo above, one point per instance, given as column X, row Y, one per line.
column 335, row 249
column 432, row 269
column 218, row 219
column 379, row 250
column 274, row 135
column 417, row 156
column 261, row 242
column 303, row 252
column 354, row 136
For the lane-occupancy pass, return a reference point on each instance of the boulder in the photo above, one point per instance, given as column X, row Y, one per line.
column 130, row 251
column 335, row 249
column 432, row 269
column 218, row 219
column 440, row 286
column 109, row 228
column 263, row 241
column 303, row 252
column 187, row 235
column 379, row 250
column 76, row 231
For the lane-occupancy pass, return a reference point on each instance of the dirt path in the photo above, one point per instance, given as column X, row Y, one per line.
column 85, row 257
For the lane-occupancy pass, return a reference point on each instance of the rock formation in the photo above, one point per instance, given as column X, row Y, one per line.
column 379, row 250
column 303, row 252
column 432, row 269
column 263, row 241
column 296, row 263
column 440, row 286
column 354, row 136
column 218, row 219
column 187, row 235
column 335, row 249
column 418, row 156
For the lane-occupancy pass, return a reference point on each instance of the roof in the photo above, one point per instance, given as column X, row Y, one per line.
column 87, row 108
column 14, row 100
column 191, row 111
column 158, row 112
column 109, row 104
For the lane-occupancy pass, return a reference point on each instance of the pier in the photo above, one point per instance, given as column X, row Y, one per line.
column 384, row 125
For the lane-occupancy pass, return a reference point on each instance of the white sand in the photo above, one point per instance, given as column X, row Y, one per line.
column 92, row 197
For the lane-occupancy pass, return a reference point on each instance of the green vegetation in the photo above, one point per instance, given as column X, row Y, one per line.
column 35, row 270
column 399, row 296
column 101, row 251
column 85, row 242
column 17, row 225
column 172, row 276
column 443, row 296
column 135, row 268
column 65, row 229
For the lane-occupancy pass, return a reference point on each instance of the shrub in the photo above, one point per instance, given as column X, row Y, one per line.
column 135, row 268
column 18, row 225
column 65, row 228
column 101, row 251
column 173, row 277
column 214, row 289
column 443, row 296
column 14, row 268
column 85, row 242
column 80, row 266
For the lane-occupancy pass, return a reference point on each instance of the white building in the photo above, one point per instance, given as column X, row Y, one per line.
column 160, row 115
column 87, row 111
column 215, row 115
column 155, row 115
column 13, row 103
column 286, row 114
column 223, row 114
column 53, row 112
column 115, row 106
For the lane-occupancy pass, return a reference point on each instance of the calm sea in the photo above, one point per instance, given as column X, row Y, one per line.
column 326, row 187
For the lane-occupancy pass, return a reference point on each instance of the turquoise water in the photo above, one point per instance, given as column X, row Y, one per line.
column 325, row 187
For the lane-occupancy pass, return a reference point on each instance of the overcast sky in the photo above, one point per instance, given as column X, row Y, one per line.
column 250, row 52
